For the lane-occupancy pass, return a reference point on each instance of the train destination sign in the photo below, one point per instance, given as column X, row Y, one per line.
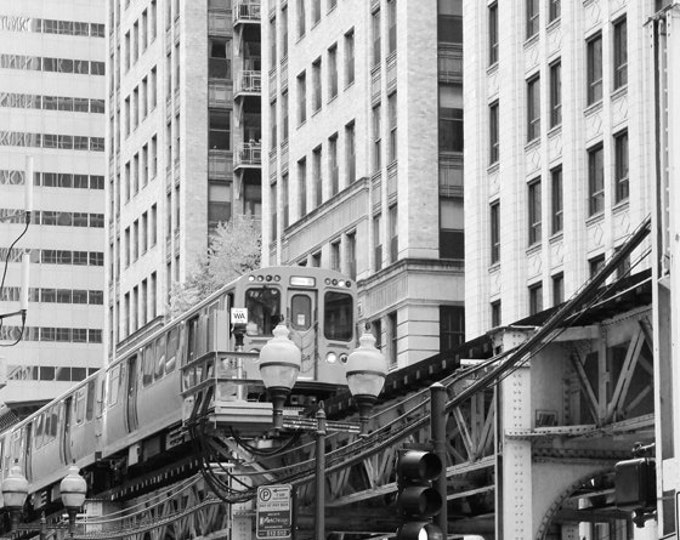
column 274, row 512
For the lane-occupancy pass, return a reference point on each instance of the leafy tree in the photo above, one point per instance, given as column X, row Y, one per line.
column 233, row 250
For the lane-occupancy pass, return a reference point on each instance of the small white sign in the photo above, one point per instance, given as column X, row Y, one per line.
column 239, row 315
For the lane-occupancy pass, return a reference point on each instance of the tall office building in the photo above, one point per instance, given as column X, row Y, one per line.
column 362, row 119
column 183, row 144
column 558, row 148
column 52, row 86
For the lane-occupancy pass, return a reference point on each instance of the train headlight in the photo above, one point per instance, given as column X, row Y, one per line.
column 260, row 278
column 343, row 358
column 268, row 278
column 251, row 278
column 331, row 358
column 277, row 278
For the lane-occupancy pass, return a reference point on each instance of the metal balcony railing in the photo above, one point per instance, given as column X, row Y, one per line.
column 246, row 11
column 248, row 155
column 249, row 82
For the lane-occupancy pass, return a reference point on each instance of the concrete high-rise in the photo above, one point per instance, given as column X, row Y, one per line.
column 183, row 144
column 52, row 87
column 558, row 149
column 363, row 133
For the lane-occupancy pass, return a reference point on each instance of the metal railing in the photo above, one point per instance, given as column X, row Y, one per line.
column 249, row 81
column 249, row 153
column 246, row 10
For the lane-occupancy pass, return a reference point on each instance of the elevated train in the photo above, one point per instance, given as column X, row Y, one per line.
column 131, row 411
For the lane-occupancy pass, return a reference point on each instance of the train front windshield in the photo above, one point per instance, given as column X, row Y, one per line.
column 264, row 310
column 338, row 321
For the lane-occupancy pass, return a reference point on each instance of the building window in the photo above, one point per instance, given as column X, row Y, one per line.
column 620, row 53
column 450, row 119
column 352, row 255
column 532, row 18
column 375, row 21
column 318, row 179
column 272, row 40
column 394, row 232
column 350, row 153
column 332, row 72
column 621, row 165
column 284, row 116
column 495, row 313
column 392, row 111
column 284, row 199
column 595, row 180
column 284, row 32
column 595, row 265
column 377, row 138
column 554, row 10
column 272, row 124
column 533, row 108
column 495, row 210
column 273, row 204
column 302, row 187
column 316, row 11
column 335, row 256
column 316, row 85
column 493, row 33
column 219, row 65
column 349, row 57
column 623, row 269
column 535, row 298
column 451, row 237
column 451, row 327
column 594, row 69
column 555, row 94
column 535, row 214
column 219, row 134
column 558, row 289
column 494, row 142
column 301, row 17
column 450, row 21
column 219, row 203
column 392, row 26
column 302, row 98
column 392, row 329
column 556, row 200
column 377, row 242
column 333, row 164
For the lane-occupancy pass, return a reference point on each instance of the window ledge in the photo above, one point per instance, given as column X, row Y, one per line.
column 528, row 42
column 492, row 69
column 332, row 99
column 301, row 124
column 494, row 267
column 554, row 24
column 349, row 85
column 315, row 112
column 592, row 108
column 533, row 143
column 557, row 237
column 621, row 91
column 534, row 248
column 595, row 218
column 299, row 39
column 315, row 24
column 493, row 167
column 555, row 130
column 621, row 206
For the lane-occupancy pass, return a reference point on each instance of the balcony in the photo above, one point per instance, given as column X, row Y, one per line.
column 246, row 11
column 218, row 24
column 248, row 82
column 248, row 155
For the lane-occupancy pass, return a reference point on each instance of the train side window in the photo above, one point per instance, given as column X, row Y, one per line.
column 301, row 312
column 100, row 402
column 38, row 431
column 160, row 358
column 79, row 406
column 147, row 365
column 192, row 340
column 48, row 424
column 172, row 350
column 264, row 310
column 212, row 328
column 338, row 318
column 89, row 409
column 55, row 421
column 114, row 383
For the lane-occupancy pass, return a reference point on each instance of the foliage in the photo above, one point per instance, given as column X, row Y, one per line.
column 234, row 249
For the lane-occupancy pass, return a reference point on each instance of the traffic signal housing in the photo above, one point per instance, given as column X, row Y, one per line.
column 635, row 485
column 417, row 500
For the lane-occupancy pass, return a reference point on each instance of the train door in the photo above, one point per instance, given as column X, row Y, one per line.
column 302, row 318
column 131, row 406
column 67, row 405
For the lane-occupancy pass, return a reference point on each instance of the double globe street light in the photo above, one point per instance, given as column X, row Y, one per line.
column 73, row 489
column 366, row 369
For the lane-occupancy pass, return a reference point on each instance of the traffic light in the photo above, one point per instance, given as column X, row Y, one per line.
column 417, row 500
column 635, row 485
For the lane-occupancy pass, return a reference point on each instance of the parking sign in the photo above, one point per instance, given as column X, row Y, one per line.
column 274, row 512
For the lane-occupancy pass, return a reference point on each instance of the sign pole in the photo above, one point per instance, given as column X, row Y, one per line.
column 320, row 525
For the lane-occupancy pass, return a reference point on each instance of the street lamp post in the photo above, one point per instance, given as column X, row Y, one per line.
column 73, row 489
column 365, row 371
